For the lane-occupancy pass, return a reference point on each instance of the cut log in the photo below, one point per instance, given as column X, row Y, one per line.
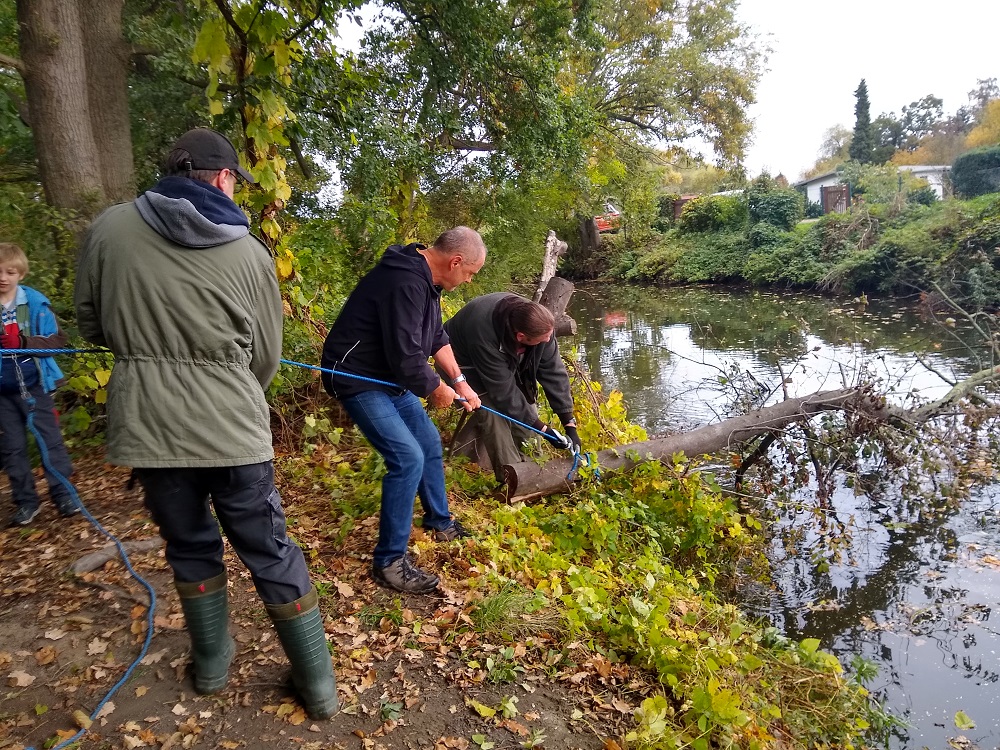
column 528, row 480
column 554, row 250
column 555, row 298
column 556, row 294
column 565, row 326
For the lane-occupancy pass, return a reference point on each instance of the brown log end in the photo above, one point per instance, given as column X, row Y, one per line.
column 565, row 326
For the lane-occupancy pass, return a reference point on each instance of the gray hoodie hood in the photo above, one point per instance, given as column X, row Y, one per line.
column 192, row 213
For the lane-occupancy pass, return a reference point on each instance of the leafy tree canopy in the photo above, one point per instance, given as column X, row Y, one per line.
column 471, row 99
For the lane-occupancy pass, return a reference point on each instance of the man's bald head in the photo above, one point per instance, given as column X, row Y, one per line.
column 455, row 257
column 462, row 241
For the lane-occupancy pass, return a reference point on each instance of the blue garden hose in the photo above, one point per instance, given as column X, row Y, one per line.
column 75, row 499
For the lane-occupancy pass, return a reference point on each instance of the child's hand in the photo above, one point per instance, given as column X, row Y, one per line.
column 10, row 341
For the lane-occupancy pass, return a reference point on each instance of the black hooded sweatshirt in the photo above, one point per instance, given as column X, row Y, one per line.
column 388, row 328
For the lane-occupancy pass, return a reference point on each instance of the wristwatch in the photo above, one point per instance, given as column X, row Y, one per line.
column 459, row 379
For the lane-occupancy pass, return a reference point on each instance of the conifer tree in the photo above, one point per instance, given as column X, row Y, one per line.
column 863, row 143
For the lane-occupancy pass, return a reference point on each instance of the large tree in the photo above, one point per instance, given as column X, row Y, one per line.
column 73, row 61
column 863, row 140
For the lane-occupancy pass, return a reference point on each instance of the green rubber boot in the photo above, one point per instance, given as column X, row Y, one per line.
column 300, row 630
column 206, row 611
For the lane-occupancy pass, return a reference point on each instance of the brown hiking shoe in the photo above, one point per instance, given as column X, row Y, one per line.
column 453, row 532
column 403, row 575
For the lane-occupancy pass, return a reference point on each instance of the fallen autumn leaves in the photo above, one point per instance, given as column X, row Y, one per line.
column 412, row 671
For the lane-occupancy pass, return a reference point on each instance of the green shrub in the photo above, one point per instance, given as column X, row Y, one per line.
column 713, row 213
column 778, row 206
column 922, row 196
column 665, row 212
column 789, row 265
column 764, row 235
column 711, row 257
column 977, row 172
column 813, row 210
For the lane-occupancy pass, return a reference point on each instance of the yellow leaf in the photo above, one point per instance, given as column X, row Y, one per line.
column 101, row 397
column 284, row 268
column 102, row 377
column 481, row 708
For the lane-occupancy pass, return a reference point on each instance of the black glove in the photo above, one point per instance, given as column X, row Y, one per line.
column 557, row 439
column 574, row 438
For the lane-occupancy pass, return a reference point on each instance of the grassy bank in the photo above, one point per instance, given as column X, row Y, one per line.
column 619, row 588
column 947, row 248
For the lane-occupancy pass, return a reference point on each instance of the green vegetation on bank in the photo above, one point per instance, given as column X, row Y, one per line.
column 902, row 246
column 630, row 572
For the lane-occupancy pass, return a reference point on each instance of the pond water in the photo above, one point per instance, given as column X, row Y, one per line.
column 916, row 590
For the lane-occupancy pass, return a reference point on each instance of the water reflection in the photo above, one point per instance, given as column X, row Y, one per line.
column 916, row 589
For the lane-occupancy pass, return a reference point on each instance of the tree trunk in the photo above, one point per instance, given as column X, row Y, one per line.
column 528, row 480
column 108, row 58
column 52, row 50
column 590, row 238
column 555, row 298
column 554, row 249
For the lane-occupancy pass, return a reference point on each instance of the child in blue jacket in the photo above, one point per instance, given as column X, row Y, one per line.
column 28, row 323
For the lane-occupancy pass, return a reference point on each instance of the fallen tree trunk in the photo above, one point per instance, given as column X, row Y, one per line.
column 555, row 298
column 528, row 480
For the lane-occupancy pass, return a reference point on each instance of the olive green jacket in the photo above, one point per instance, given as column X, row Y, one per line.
column 196, row 333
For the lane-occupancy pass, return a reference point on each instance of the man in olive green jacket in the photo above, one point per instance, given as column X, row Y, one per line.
column 186, row 298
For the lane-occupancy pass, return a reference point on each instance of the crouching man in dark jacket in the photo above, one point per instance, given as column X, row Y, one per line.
column 386, row 331
column 506, row 348
column 186, row 298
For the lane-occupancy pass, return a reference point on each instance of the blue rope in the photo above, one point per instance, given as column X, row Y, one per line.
column 362, row 378
column 547, row 436
column 340, row 373
column 33, row 352
column 75, row 497
column 591, row 463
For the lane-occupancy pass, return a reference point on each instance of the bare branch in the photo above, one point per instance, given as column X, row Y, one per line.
column 6, row 61
column 461, row 144
column 300, row 158
column 227, row 14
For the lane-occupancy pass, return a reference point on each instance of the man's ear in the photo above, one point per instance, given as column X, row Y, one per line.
column 456, row 261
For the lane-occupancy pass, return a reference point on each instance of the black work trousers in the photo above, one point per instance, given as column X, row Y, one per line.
column 14, row 446
column 249, row 510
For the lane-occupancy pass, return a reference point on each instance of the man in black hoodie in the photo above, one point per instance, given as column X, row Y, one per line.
column 387, row 329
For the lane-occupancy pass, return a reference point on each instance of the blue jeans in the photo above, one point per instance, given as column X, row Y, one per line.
column 14, row 457
column 399, row 429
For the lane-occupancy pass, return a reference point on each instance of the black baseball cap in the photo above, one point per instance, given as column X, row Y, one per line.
column 211, row 150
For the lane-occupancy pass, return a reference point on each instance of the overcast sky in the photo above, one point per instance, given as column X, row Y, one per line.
column 821, row 51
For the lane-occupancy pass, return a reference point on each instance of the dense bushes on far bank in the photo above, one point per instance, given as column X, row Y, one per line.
column 953, row 246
